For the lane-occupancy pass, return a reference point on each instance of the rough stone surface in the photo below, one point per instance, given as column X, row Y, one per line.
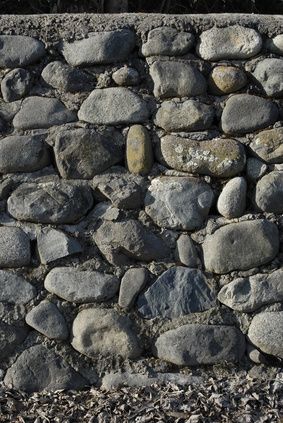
column 64, row 78
column 166, row 41
column 226, row 79
column 42, row 112
column 113, row 106
column 266, row 332
column 10, row 338
column 249, row 294
column 48, row 320
column 178, row 202
column 276, row 44
column 139, row 153
column 126, row 76
column 189, row 115
column 241, row 246
column 255, row 169
column 81, row 286
column 132, row 283
column 195, row 344
column 14, row 247
column 26, row 153
column 186, row 252
column 52, row 202
column 232, row 200
column 269, row 193
column 217, row 157
column 190, row 81
column 15, row 289
column 82, row 153
column 268, row 145
column 269, row 74
column 232, row 42
column 177, row 292
column 122, row 242
column 53, row 245
column 19, row 50
column 102, row 331
column 247, row 113
column 15, row 84
column 99, row 48
column 38, row 369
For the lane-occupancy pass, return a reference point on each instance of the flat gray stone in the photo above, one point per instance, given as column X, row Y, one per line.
column 105, row 332
column 123, row 242
column 267, row 145
column 14, row 247
column 166, row 41
column 15, row 289
column 190, row 81
column 269, row 74
column 189, row 115
column 42, row 112
column 132, row 283
column 19, row 50
column 249, row 294
column 232, row 42
column 217, row 157
column 241, row 246
column 100, row 48
column 53, row 245
column 186, row 252
column 178, row 202
column 195, row 344
column 48, row 320
column 126, row 76
column 81, row 287
column 266, row 332
column 39, row 369
column 231, row 202
column 26, row 153
column 15, row 84
column 113, row 106
column 10, row 337
column 51, row 202
column 255, row 169
column 82, row 153
column 276, row 44
column 177, row 292
column 65, row 78
column 269, row 193
column 247, row 113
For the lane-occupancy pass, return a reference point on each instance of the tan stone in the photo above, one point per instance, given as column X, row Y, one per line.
column 139, row 150
column 226, row 80
column 268, row 145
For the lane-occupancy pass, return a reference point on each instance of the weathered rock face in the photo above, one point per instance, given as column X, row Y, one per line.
column 267, row 145
column 81, row 286
column 232, row 200
column 176, row 293
column 123, row 242
column 233, row 42
column 139, row 150
column 247, row 113
column 187, row 116
column 255, row 169
column 15, row 289
column 190, row 81
column 15, row 84
column 113, row 106
column 241, row 246
column 38, row 369
column 102, row 331
column 19, row 50
column 50, row 202
column 10, row 337
column 14, row 247
column 65, row 78
column 218, row 157
column 53, row 245
column 266, row 332
column 178, row 202
column 269, row 193
column 249, row 294
column 82, row 153
column 100, row 47
column 168, row 42
column 194, row 344
column 226, row 79
column 269, row 74
column 126, row 76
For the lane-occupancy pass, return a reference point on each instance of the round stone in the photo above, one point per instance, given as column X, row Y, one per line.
column 269, row 74
column 266, row 332
column 269, row 193
column 226, row 79
column 232, row 200
column 268, row 145
column 126, row 76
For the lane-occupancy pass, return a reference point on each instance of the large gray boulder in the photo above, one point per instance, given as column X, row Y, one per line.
column 194, row 344
column 176, row 293
column 267, row 145
column 14, row 247
column 178, row 202
column 79, row 286
column 269, row 74
column 51, row 202
column 166, row 41
column 241, row 246
column 19, row 50
column 15, row 289
column 269, row 193
column 266, row 332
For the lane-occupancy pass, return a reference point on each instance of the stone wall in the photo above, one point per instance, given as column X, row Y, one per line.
column 141, row 195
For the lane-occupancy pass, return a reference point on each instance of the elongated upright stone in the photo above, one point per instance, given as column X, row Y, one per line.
column 139, row 153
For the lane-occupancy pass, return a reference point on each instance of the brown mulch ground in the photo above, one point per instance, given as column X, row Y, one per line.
column 236, row 399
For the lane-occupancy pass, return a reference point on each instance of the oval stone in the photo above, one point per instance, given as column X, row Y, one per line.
column 269, row 193
column 269, row 74
column 266, row 332
column 276, row 44
column 19, row 50
column 232, row 200
column 268, row 145
column 139, row 152
column 226, row 79
column 168, row 42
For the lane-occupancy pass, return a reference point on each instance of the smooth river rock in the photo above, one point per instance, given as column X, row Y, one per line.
column 139, row 154
column 266, row 332
column 268, row 145
column 276, row 44
column 241, row 246
column 132, row 283
column 19, row 50
column 14, row 247
column 67, row 79
column 166, row 41
column 231, row 202
column 226, row 79
column 269, row 193
column 269, row 74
